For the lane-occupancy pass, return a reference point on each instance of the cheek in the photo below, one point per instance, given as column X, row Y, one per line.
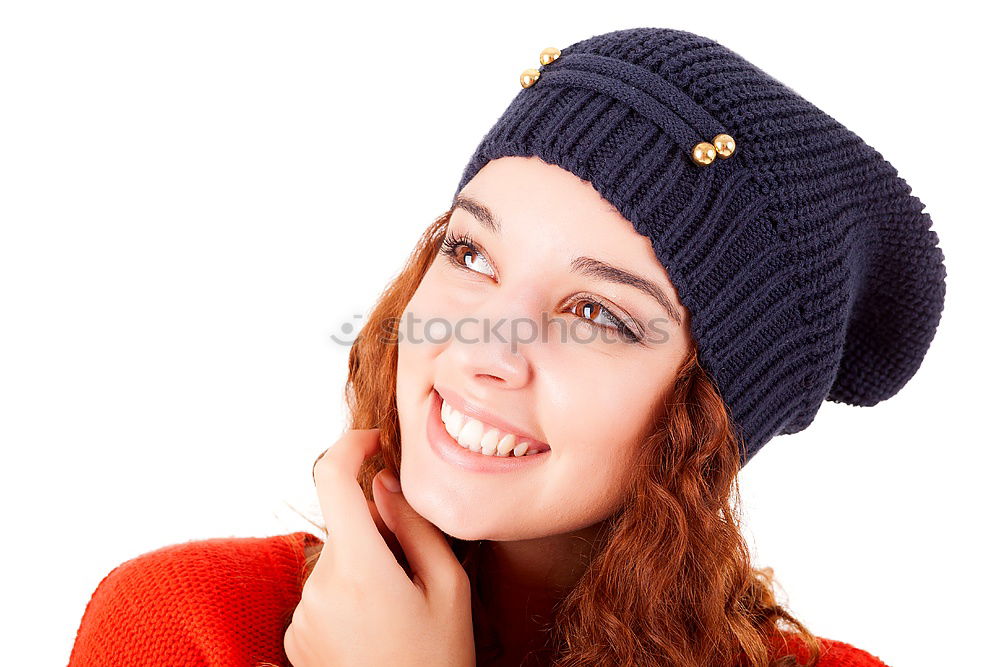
column 426, row 323
column 600, row 414
column 414, row 352
column 419, row 342
column 598, row 403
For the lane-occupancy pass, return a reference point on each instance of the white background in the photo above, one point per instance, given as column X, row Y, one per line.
column 195, row 195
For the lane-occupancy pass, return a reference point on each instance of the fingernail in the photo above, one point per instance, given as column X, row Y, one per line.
column 390, row 482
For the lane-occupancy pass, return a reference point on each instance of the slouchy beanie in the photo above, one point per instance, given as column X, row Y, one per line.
column 809, row 271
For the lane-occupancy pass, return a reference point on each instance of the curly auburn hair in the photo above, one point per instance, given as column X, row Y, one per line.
column 672, row 583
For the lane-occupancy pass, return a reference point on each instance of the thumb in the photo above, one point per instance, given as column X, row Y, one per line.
column 428, row 553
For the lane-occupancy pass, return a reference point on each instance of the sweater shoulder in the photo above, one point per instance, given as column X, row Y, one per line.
column 832, row 653
column 841, row 654
column 218, row 601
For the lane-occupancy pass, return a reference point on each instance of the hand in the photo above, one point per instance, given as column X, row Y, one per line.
column 359, row 607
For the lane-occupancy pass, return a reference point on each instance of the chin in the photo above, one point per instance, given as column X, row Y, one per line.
column 460, row 522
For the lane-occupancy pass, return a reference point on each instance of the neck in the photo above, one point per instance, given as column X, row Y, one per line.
column 523, row 581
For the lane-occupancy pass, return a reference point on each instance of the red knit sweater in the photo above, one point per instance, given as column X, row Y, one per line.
column 226, row 602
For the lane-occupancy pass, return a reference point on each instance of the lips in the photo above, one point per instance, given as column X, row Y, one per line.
column 489, row 418
column 445, row 447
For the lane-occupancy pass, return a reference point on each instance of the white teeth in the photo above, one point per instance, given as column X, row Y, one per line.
column 454, row 423
column 505, row 445
column 474, row 436
column 489, row 443
column 471, row 434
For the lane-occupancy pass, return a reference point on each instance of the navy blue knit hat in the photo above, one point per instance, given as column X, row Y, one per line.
column 809, row 270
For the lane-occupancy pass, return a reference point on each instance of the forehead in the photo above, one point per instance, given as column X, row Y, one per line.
column 521, row 196
column 514, row 186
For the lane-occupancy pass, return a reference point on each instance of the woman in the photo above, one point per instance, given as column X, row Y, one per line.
column 658, row 259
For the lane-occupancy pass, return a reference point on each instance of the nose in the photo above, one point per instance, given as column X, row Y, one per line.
column 493, row 347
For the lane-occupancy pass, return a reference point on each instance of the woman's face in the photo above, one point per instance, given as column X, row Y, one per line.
column 518, row 327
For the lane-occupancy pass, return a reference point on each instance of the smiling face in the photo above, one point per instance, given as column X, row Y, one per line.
column 527, row 322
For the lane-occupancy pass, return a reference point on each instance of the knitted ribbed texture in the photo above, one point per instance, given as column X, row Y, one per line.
column 809, row 270
column 211, row 603
column 226, row 602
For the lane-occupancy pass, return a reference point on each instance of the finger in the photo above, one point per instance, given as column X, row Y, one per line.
column 352, row 534
column 321, row 455
column 431, row 559
column 387, row 534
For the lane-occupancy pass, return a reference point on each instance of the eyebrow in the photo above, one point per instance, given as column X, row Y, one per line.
column 585, row 265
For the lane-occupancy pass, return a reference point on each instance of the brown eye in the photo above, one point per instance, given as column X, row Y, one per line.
column 458, row 251
column 588, row 309
column 464, row 251
column 591, row 310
